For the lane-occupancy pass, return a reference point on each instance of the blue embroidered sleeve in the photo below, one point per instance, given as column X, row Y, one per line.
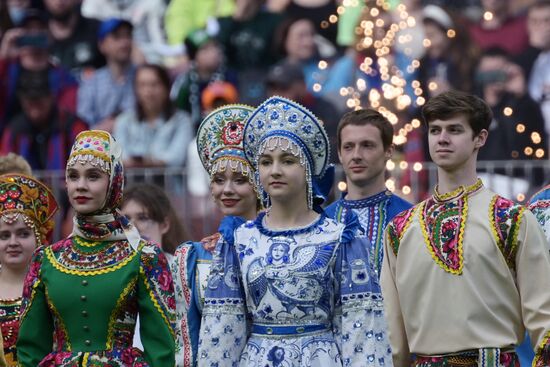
column 360, row 326
column 224, row 328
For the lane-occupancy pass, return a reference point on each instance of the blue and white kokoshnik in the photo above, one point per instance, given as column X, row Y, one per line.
column 279, row 122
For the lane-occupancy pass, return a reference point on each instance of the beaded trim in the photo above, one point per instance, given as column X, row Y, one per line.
column 11, row 217
column 236, row 165
column 20, row 194
column 100, row 161
column 91, row 144
column 283, row 117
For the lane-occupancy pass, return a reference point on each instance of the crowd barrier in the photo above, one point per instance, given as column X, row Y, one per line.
column 517, row 180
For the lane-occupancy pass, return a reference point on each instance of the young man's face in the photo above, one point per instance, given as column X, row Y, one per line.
column 362, row 153
column 452, row 142
column 538, row 26
column 117, row 45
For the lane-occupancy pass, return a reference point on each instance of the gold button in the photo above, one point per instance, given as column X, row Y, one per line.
column 86, row 328
column 84, row 282
column 85, row 313
column 88, row 343
column 83, row 298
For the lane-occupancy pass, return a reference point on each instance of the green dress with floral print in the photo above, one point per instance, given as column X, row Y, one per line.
column 81, row 300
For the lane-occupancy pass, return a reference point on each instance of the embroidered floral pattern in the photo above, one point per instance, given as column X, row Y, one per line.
column 94, row 143
column 158, row 280
column 397, row 228
column 542, row 356
column 506, row 218
column 541, row 212
column 125, row 357
column 32, row 280
column 221, row 134
column 506, row 360
column 372, row 213
column 91, row 259
column 289, row 281
column 443, row 228
column 9, row 324
column 442, row 220
column 25, row 195
column 281, row 117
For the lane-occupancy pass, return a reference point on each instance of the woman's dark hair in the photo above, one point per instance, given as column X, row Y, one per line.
column 158, row 207
column 281, row 34
column 169, row 109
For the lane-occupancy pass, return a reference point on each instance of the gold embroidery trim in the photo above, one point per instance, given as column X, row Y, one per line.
column 81, row 242
column 514, row 244
column 155, row 302
column 119, row 303
column 85, row 359
column 494, row 227
column 537, row 361
column 460, row 241
column 494, row 231
column 53, row 261
column 458, row 191
column 31, row 299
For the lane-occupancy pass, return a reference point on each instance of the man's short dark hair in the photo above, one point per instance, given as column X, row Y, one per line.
column 538, row 5
column 363, row 117
column 453, row 103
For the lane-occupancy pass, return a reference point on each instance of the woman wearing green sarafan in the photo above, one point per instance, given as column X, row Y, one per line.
column 82, row 294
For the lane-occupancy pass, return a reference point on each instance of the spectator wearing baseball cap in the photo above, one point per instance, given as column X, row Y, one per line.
column 43, row 132
column 109, row 91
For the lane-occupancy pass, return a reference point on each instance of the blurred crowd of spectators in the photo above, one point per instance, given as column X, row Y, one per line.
column 149, row 70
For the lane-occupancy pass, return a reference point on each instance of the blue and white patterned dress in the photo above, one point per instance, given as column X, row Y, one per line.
column 301, row 297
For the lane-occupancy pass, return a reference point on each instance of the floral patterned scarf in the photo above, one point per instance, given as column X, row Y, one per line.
column 107, row 224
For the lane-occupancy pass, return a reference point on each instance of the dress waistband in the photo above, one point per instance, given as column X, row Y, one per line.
column 288, row 329
column 484, row 357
